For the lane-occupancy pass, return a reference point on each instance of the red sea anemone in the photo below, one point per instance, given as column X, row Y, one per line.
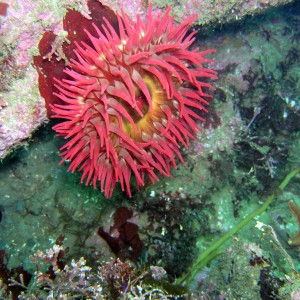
column 132, row 97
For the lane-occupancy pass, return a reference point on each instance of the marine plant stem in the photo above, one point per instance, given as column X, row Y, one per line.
column 205, row 257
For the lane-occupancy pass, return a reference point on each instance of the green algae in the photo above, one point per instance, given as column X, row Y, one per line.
column 214, row 250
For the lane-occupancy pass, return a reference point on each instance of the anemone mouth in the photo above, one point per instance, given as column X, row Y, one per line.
column 150, row 114
column 142, row 107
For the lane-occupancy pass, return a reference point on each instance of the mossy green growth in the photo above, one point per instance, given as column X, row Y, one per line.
column 211, row 252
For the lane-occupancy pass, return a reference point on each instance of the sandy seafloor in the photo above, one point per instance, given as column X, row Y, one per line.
column 250, row 142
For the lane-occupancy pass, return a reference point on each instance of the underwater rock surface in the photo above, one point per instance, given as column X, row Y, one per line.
column 251, row 141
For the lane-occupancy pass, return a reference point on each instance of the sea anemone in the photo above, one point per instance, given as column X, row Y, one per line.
column 131, row 99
